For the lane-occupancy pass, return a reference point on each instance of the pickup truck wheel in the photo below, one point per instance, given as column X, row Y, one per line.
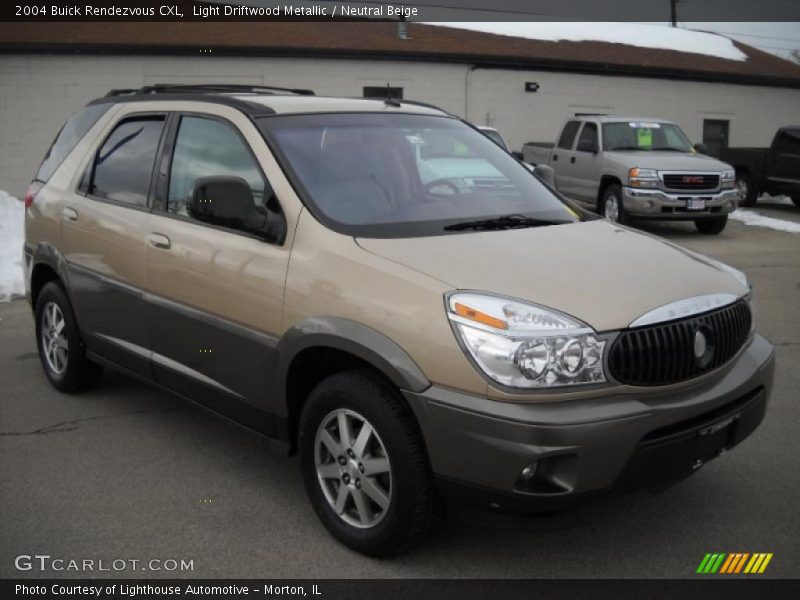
column 711, row 226
column 59, row 342
column 747, row 191
column 612, row 208
column 365, row 466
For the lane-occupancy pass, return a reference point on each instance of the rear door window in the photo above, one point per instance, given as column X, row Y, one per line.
column 71, row 133
column 123, row 165
column 568, row 135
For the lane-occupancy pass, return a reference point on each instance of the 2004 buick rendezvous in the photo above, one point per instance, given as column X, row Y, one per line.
column 381, row 288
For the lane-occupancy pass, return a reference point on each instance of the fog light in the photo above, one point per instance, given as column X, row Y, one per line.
column 528, row 472
column 648, row 205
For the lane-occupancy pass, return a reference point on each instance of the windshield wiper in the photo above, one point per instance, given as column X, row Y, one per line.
column 629, row 148
column 504, row 222
column 671, row 149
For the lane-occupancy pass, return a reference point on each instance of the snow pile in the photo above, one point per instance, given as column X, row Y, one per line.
column 631, row 34
column 751, row 217
column 12, row 235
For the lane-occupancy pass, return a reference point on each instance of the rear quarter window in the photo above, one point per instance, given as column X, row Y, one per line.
column 71, row 133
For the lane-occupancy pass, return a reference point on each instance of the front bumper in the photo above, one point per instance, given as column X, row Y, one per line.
column 658, row 204
column 584, row 447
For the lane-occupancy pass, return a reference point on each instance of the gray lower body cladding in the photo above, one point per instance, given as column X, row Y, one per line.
column 580, row 448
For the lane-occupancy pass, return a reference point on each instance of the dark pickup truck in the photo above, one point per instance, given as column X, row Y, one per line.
column 774, row 170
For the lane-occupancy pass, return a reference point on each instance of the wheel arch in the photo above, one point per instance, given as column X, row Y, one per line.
column 605, row 182
column 322, row 346
column 46, row 264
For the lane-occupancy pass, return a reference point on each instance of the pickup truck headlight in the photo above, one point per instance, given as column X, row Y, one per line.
column 523, row 345
column 728, row 179
column 642, row 178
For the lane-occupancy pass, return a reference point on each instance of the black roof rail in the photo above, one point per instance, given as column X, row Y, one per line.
column 420, row 103
column 207, row 88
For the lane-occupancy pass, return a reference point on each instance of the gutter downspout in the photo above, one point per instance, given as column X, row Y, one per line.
column 468, row 92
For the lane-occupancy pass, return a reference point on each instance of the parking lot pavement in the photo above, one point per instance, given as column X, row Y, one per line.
column 130, row 472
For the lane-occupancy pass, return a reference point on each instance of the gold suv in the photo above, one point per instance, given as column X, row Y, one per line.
column 378, row 286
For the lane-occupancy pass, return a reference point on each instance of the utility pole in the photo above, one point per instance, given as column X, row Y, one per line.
column 673, row 9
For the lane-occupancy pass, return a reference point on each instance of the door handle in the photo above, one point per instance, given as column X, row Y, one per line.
column 158, row 240
column 555, row 156
column 70, row 214
column 572, row 160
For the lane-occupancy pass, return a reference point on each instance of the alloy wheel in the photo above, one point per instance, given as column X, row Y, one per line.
column 353, row 468
column 54, row 338
column 611, row 208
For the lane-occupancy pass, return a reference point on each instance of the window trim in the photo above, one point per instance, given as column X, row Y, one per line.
column 88, row 173
column 161, row 194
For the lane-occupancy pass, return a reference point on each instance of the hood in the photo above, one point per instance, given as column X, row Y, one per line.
column 603, row 274
column 669, row 161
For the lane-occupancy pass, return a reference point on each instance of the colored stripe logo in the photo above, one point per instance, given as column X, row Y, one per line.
column 734, row 563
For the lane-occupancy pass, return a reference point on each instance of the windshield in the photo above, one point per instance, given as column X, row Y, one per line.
column 401, row 175
column 636, row 135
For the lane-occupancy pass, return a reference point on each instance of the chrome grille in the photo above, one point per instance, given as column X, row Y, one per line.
column 690, row 181
column 665, row 353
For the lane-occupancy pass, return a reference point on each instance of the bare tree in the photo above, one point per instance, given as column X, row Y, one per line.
column 794, row 56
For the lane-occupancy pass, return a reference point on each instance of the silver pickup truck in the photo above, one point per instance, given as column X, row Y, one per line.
column 634, row 168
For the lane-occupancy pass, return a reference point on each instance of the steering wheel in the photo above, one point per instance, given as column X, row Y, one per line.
column 441, row 182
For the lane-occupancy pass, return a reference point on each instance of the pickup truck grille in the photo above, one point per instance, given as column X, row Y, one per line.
column 689, row 181
column 665, row 353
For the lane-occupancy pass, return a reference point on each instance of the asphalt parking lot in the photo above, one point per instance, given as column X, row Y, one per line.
column 129, row 472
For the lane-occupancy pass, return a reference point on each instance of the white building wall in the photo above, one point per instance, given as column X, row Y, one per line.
column 38, row 93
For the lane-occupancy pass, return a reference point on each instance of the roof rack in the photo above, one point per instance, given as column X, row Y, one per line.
column 422, row 104
column 207, row 88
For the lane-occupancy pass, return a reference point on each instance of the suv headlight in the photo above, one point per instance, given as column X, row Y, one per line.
column 728, row 179
column 523, row 345
column 642, row 178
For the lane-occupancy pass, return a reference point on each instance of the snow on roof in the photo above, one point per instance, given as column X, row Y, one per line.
column 631, row 34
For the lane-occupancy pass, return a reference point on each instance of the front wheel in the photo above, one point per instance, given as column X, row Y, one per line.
column 59, row 342
column 612, row 208
column 365, row 466
column 711, row 226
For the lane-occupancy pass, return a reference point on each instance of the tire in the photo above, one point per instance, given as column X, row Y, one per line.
column 711, row 226
column 410, row 507
column 64, row 360
column 611, row 206
column 796, row 200
column 748, row 195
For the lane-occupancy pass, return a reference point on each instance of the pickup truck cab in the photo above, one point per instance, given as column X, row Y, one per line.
column 635, row 168
column 774, row 170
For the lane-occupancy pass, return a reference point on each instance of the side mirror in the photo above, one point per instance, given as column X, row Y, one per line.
column 546, row 174
column 517, row 154
column 228, row 201
column 701, row 148
column 585, row 145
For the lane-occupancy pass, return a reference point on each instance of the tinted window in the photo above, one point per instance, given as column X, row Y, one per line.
column 788, row 141
column 568, row 135
column 589, row 133
column 124, row 163
column 403, row 175
column 205, row 148
column 636, row 135
column 69, row 136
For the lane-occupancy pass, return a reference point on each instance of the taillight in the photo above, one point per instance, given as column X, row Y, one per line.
column 30, row 195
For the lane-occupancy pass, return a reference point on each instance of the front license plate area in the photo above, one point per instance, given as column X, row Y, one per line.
column 696, row 204
column 712, row 440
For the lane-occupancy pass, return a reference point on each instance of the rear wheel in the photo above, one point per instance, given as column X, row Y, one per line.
column 612, row 208
column 59, row 342
column 711, row 226
column 747, row 190
column 365, row 466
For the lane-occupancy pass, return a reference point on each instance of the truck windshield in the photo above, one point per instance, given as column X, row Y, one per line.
column 636, row 135
column 404, row 175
